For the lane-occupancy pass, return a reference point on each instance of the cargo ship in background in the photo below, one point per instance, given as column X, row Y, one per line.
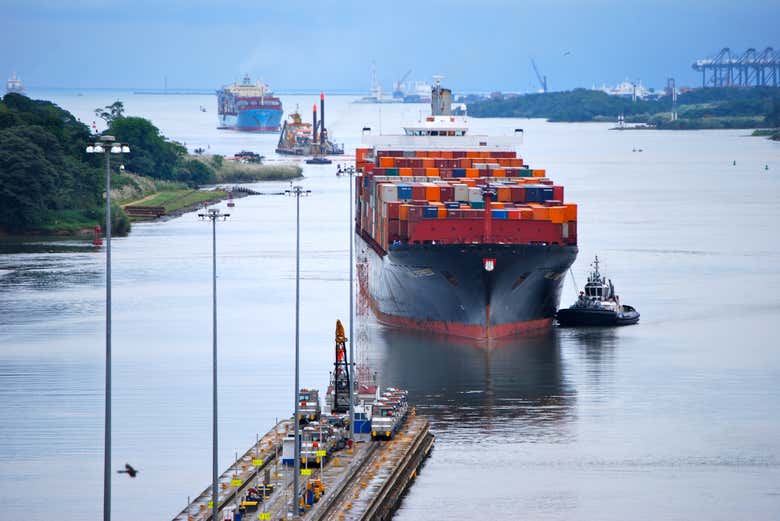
column 249, row 107
column 14, row 85
column 459, row 235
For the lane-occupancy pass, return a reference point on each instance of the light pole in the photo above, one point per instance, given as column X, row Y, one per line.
column 297, row 192
column 353, row 383
column 213, row 215
column 107, row 145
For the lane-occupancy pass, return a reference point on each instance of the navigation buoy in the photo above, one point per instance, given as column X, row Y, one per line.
column 97, row 241
column 734, row 163
column 766, row 167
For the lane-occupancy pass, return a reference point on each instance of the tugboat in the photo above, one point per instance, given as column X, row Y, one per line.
column 597, row 305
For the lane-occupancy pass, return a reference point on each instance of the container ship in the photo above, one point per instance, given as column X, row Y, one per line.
column 248, row 107
column 459, row 235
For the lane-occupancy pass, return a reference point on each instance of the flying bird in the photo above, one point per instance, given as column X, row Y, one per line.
column 129, row 470
column 567, row 53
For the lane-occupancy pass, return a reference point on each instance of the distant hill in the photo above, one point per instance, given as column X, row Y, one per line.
column 698, row 108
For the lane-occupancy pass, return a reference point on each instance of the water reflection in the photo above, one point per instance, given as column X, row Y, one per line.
column 513, row 388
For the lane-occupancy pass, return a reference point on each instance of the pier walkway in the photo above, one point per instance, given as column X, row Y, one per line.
column 365, row 483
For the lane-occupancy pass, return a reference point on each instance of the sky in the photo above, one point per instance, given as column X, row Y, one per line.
column 478, row 45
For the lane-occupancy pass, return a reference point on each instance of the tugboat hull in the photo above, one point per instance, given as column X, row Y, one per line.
column 578, row 317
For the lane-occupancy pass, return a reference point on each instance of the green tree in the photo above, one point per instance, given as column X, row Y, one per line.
column 27, row 180
column 150, row 153
column 111, row 112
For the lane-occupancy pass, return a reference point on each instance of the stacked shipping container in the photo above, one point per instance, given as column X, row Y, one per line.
column 458, row 197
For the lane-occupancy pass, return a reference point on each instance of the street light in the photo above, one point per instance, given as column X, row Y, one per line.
column 107, row 145
column 350, row 171
column 214, row 215
column 297, row 192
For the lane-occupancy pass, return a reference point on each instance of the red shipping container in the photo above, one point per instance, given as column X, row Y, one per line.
column 418, row 192
column 517, row 194
column 393, row 230
column 403, row 229
column 419, row 172
column 416, row 213
column 445, row 173
column 393, row 209
column 447, row 193
column 558, row 193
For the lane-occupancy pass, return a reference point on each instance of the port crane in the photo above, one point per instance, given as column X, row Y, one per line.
column 398, row 91
column 542, row 79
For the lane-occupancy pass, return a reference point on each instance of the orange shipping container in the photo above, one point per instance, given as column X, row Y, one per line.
column 428, row 162
column 570, row 212
column 432, row 193
column 557, row 214
column 513, row 213
column 472, row 172
column 526, row 214
column 472, row 153
column 498, row 172
column 497, row 205
column 504, row 194
column 538, row 173
column 432, row 172
column 541, row 213
column 442, row 212
column 405, row 171
column 386, row 162
column 403, row 212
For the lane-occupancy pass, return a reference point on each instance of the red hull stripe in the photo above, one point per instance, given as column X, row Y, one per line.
column 475, row 331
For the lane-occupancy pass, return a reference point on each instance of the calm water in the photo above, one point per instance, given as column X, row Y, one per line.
column 676, row 418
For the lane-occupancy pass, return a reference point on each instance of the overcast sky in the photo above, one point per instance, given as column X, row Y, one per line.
column 479, row 45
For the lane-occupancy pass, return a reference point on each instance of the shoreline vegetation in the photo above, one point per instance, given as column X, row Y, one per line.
column 710, row 108
column 51, row 186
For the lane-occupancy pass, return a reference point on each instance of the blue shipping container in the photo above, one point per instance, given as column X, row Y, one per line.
column 452, row 205
column 499, row 214
column 404, row 191
column 458, row 172
column 431, row 212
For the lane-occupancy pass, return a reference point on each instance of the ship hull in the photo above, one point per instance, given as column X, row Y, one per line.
column 252, row 120
column 446, row 288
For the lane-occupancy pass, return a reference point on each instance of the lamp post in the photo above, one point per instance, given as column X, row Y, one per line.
column 213, row 215
column 297, row 192
column 351, row 172
column 107, row 145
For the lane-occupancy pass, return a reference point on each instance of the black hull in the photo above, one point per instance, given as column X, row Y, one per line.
column 446, row 288
column 574, row 317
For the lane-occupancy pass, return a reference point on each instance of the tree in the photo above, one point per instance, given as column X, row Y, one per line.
column 27, row 181
column 111, row 112
column 150, row 153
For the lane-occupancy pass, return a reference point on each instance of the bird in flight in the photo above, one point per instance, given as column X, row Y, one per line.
column 129, row 470
column 567, row 53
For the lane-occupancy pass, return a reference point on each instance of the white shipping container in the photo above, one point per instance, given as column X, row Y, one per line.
column 475, row 194
column 388, row 192
column 462, row 193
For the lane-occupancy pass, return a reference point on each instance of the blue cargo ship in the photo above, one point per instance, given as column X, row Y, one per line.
column 249, row 107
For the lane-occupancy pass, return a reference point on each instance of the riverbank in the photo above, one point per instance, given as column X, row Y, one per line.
column 176, row 202
column 710, row 108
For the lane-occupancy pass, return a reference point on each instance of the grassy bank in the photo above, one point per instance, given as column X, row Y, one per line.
column 180, row 200
column 233, row 172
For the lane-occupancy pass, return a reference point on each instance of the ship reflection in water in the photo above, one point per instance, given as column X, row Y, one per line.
column 510, row 390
